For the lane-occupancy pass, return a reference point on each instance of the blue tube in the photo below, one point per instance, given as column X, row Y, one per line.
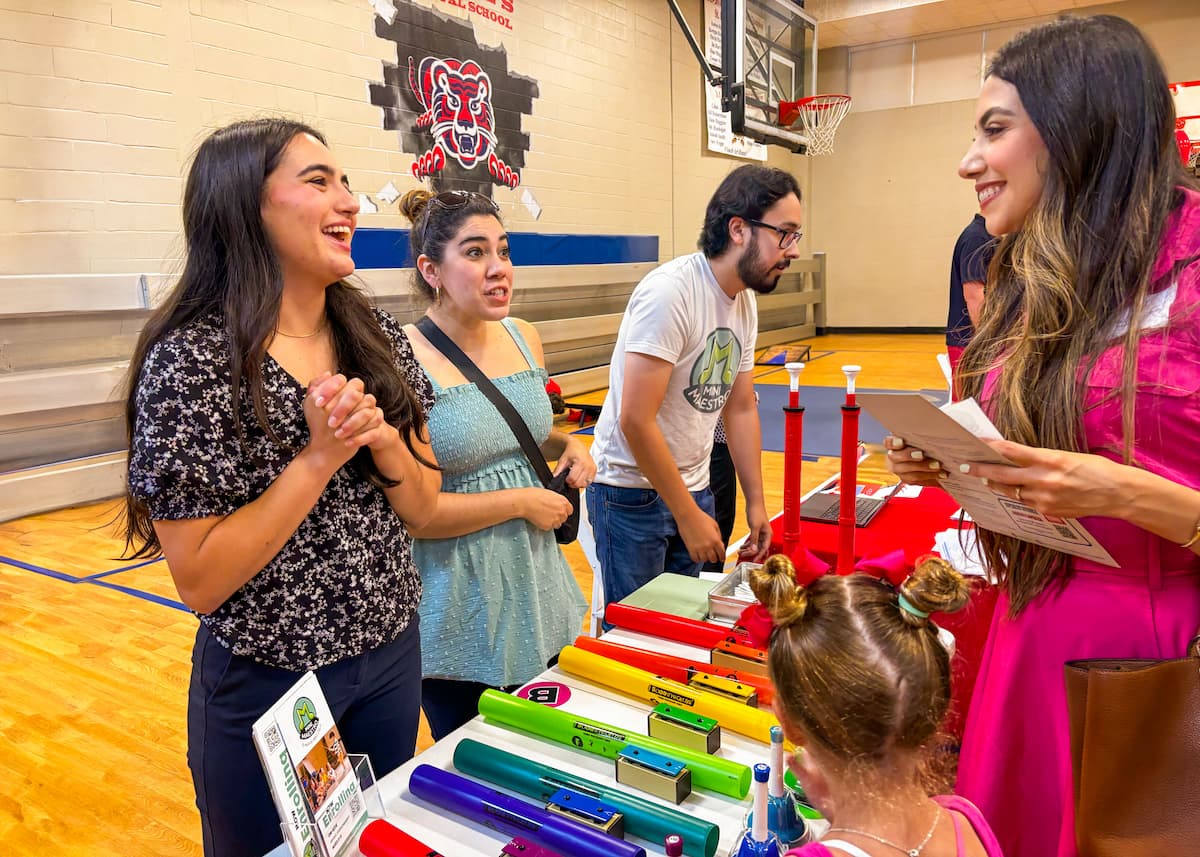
column 513, row 817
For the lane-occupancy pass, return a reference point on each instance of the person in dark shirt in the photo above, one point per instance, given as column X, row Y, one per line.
column 968, row 273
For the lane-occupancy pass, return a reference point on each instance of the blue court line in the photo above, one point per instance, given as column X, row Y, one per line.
column 137, row 593
column 101, row 574
column 37, row 569
column 95, row 581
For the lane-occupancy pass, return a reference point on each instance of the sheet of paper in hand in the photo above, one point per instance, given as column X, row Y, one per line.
column 955, row 434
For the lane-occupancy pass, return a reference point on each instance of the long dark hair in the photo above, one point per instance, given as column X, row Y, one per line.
column 1097, row 94
column 434, row 224
column 231, row 271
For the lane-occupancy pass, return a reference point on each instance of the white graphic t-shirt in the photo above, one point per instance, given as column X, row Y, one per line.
column 678, row 313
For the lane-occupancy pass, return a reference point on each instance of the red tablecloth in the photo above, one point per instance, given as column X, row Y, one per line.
column 909, row 524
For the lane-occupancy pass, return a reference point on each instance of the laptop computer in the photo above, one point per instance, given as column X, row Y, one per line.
column 822, row 506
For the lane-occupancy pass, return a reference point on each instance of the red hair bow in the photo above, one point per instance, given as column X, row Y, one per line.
column 756, row 620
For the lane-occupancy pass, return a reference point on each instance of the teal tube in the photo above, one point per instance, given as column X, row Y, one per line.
column 708, row 772
column 643, row 818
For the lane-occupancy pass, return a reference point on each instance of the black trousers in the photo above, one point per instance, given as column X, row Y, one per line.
column 722, row 480
column 375, row 698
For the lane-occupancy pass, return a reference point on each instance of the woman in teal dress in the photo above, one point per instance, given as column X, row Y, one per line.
column 499, row 598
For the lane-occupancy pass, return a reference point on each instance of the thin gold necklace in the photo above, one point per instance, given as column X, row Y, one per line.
column 303, row 335
column 911, row 852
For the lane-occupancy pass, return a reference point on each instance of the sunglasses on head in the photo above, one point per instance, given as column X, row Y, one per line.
column 459, row 198
column 450, row 200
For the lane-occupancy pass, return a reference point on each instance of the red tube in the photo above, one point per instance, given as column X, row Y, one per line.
column 671, row 667
column 383, row 839
column 691, row 631
column 793, row 456
column 848, row 486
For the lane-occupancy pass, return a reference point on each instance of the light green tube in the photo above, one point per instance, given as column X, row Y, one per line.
column 644, row 818
column 708, row 772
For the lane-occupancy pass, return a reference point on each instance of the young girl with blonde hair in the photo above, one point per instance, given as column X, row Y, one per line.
column 862, row 686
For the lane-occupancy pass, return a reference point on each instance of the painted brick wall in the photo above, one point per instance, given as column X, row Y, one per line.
column 103, row 101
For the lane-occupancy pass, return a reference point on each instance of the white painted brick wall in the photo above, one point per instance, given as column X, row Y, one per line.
column 103, row 104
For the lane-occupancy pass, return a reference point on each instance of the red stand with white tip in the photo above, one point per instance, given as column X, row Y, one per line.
column 848, row 486
column 793, row 456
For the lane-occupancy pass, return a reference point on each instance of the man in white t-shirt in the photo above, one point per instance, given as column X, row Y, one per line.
column 684, row 357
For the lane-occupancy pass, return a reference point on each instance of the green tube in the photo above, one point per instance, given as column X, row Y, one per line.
column 642, row 817
column 708, row 772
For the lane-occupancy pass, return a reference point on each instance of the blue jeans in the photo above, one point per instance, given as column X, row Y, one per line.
column 375, row 698
column 636, row 537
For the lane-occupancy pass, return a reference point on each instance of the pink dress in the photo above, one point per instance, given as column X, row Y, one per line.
column 1016, row 760
column 955, row 804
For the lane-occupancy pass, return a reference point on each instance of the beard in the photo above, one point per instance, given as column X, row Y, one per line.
column 753, row 275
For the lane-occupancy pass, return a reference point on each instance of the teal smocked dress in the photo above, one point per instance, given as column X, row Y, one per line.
column 500, row 602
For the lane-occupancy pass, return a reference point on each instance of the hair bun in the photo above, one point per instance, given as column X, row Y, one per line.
column 414, row 203
column 774, row 585
column 935, row 586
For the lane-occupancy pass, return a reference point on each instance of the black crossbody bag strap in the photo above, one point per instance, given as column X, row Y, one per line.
column 443, row 343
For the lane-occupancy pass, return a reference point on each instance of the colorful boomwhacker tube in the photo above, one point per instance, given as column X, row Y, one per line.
column 643, row 685
column 708, row 772
column 514, row 817
column 693, row 632
column 643, row 818
column 381, row 838
column 675, row 668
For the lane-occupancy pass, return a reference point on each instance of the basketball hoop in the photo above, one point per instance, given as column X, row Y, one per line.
column 819, row 116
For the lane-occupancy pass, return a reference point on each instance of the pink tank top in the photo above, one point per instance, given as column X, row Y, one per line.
column 954, row 803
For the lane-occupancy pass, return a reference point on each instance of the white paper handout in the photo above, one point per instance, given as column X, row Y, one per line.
column 953, row 435
column 311, row 777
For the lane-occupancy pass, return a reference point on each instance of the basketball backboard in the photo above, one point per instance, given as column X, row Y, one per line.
column 768, row 55
column 1187, row 114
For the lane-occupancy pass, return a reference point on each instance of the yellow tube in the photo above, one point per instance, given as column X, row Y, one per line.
column 734, row 716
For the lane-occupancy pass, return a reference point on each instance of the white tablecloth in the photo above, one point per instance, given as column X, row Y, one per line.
column 457, row 837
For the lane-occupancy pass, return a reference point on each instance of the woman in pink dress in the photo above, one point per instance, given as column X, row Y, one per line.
column 863, row 684
column 1088, row 360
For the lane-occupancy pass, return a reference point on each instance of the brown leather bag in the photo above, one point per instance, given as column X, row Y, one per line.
column 1135, row 754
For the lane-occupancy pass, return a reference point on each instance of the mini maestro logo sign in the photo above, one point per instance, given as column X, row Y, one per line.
column 714, row 371
column 304, row 718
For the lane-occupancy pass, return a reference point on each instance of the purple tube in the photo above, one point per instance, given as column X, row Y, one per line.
column 513, row 817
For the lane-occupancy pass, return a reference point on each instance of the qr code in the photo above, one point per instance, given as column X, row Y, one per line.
column 355, row 805
column 1065, row 532
column 273, row 739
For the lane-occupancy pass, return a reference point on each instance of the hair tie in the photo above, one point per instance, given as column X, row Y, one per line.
column 908, row 607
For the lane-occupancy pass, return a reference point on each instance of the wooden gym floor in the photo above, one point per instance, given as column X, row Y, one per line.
column 94, row 654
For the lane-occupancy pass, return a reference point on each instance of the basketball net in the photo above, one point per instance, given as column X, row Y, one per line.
column 819, row 116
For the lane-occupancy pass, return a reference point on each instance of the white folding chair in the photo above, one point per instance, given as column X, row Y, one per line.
column 587, row 543
column 943, row 360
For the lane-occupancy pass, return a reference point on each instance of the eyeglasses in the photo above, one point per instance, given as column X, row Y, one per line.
column 787, row 237
column 459, row 198
column 452, row 199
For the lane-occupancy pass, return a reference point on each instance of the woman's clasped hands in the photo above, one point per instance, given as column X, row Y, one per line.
column 342, row 418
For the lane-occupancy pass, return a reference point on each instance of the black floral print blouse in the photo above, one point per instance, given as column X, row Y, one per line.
column 344, row 583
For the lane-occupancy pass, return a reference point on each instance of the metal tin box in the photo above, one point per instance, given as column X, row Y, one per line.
column 724, row 602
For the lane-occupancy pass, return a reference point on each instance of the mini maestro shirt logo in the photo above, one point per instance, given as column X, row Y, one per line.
column 714, row 371
column 304, row 718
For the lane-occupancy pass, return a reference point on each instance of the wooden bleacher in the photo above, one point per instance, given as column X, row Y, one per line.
column 65, row 343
